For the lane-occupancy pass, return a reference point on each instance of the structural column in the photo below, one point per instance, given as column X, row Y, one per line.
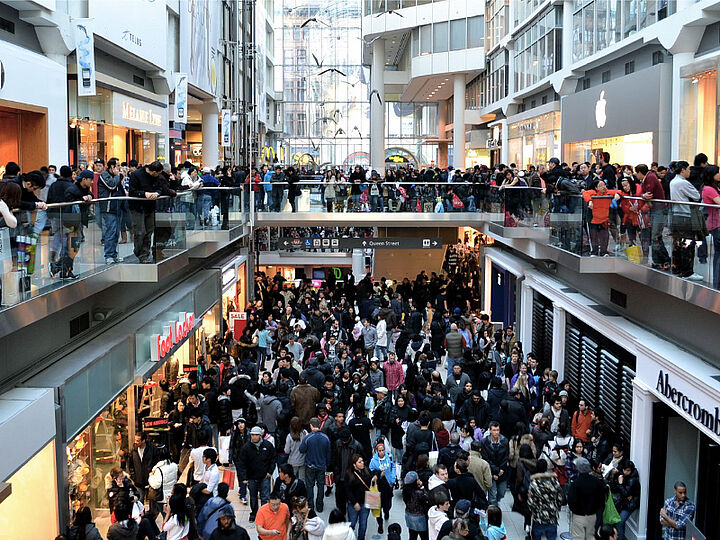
column 442, row 124
column 358, row 264
column 640, row 446
column 558, row 346
column 210, row 154
column 377, row 108
column 525, row 319
column 459, row 122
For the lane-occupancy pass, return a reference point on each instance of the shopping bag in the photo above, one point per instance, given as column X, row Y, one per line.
column 610, row 513
column 229, row 478
column 457, row 202
column 369, row 403
column 433, row 458
column 372, row 499
column 329, row 479
column 224, row 449
column 137, row 511
column 634, row 254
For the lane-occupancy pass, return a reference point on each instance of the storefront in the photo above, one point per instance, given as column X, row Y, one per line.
column 234, row 285
column 109, row 389
column 534, row 140
column 699, row 111
column 629, row 117
column 33, row 100
column 113, row 124
column 494, row 143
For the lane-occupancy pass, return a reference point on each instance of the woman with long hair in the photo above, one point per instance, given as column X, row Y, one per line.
column 441, row 434
column 292, row 447
column 177, row 525
column 358, row 481
column 307, row 525
column 383, row 467
column 83, row 527
column 417, row 503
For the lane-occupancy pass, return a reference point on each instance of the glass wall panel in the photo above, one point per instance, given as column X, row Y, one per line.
column 476, row 31
column 440, row 37
column 457, row 34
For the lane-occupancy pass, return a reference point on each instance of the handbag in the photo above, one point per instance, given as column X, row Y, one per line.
column 634, row 254
column 433, row 454
column 610, row 513
column 224, row 447
column 376, row 512
column 698, row 224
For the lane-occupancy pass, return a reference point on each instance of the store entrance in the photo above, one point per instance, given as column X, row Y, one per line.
column 680, row 452
column 24, row 138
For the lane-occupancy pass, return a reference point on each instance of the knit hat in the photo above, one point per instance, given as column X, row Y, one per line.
column 462, row 507
column 86, row 174
column 411, row 477
column 582, row 465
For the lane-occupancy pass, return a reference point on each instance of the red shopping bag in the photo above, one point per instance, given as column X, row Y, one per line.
column 229, row 478
column 329, row 479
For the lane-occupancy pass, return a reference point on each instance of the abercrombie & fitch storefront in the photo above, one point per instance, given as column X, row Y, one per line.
column 629, row 117
column 108, row 390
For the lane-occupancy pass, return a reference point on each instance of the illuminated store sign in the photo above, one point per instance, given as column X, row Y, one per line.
column 173, row 334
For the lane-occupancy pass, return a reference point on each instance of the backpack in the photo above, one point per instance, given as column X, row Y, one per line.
column 568, row 186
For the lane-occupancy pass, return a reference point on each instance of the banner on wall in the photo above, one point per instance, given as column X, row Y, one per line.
column 226, row 127
column 85, row 57
column 199, row 20
column 181, row 96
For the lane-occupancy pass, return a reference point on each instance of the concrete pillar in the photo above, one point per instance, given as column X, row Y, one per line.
column 210, row 153
column 459, row 122
column 442, row 124
column 525, row 319
column 640, row 446
column 558, row 349
column 678, row 61
column 504, row 138
column 377, row 108
column 567, row 35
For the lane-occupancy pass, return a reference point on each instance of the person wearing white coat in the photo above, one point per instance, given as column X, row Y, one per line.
column 338, row 528
column 382, row 340
column 437, row 515
column 305, row 519
column 162, row 479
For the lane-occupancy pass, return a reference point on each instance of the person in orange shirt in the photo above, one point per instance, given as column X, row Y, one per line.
column 582, row 422
column 273, row 519
column 600, row 222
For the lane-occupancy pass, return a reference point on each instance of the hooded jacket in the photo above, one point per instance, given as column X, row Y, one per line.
column 497, row 532
column 270, row 409
column 123, row 530
column 545, row 498
column 339, row 531
column 436, row 518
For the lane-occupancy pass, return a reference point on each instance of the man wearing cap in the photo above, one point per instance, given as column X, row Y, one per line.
column 227, row 528
column 381, row 412
column 273, row 519
column 586, row 497
column 316, row 448
column 256, row 464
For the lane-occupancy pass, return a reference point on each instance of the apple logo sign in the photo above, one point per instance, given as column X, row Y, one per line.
column 600, row 115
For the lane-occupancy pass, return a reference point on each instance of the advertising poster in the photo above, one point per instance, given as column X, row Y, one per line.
column 199, row 22
column 226, row 127
column 85, row 57
column 181, row 98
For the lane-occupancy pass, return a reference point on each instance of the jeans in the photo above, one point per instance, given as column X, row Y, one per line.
column 203, row 205
column 451, row 362
column 540, row 529
column 624, row 516
column 144, row 225
column 110, row 234
column 315, row 476
column 497, row 491
column 659, row 251
column 276, row 196
column 381, row 352
column 362, row 516
column 259, row 201
column 376, row 203
column 263, row 486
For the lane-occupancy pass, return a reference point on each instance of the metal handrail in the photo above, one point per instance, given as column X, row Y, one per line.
column 664, row 201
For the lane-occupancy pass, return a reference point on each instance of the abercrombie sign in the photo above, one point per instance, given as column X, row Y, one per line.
column 173, row 333
column 709, row 419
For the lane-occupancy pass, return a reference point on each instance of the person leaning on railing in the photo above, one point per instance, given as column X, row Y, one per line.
column 686, row 223
column 652, row 188
column 74, row 218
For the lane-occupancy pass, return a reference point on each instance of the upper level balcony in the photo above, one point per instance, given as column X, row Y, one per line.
column 59, row 255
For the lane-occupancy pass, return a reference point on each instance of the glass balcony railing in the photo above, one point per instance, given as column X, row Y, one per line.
column 67, row 241
column 313, row 195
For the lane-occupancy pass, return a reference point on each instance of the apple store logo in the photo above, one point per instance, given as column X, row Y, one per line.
column 600, row 113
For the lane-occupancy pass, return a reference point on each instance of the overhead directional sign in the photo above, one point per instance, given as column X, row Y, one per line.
column 361, row 243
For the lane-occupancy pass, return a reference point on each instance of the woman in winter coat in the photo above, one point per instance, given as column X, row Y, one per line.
column 306, row 524
column 338, row 528
column 237, row 441
column 626, row 494
column 83, row 527
column 162, row 479
column 292, row 447
column 542, row 435
column 330, row 192
column 121, row 491
column 417, row 503
column 224, row 411
column 383, row 467
column 398, row 417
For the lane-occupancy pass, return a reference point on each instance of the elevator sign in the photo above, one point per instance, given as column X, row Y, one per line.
column 173, row 334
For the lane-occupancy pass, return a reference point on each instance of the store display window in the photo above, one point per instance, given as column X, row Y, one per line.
column 632, row 148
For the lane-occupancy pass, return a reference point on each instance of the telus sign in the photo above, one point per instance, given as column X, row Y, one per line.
column 173, row 333
column 709, row 419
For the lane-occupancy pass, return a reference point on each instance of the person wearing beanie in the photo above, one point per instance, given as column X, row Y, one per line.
column 586, row 496
column 417, row 503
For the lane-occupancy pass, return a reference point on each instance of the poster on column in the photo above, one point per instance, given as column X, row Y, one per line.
column 226, row 127
column 181, row 97
column 137, row 26
column 85, row 57
column 199, row 23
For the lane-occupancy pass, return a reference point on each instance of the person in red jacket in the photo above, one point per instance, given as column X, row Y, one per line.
column 600, row 222
column 582, row 422
column 635, row 214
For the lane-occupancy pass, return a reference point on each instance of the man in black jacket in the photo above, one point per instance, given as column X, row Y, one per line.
column 586, row 497
column 464, row 486
column 256, row 465
column 495, row 449
column 142, row 460
column 73, row 219
column 512, row 412
column 476, row 408
column 146, row 183
column 343, row 449
column 289, row 485
column 450, row 453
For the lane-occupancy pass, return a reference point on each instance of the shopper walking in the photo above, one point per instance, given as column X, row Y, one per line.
column 316, row 448
column 358, row 483
column 256, row 461
column 586, row 497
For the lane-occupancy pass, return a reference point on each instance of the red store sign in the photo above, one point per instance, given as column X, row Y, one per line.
column 173, row 334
